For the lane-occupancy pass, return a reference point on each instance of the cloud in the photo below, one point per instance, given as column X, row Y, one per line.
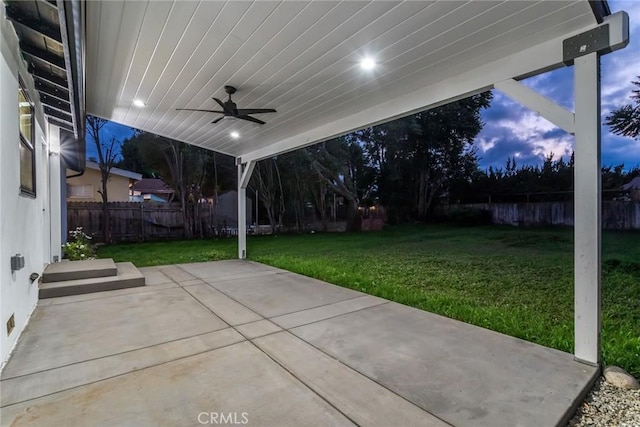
column 556, row 85
column 512, row 129
column 529, row 139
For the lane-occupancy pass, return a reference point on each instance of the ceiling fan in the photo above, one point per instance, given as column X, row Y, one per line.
column 230, row 109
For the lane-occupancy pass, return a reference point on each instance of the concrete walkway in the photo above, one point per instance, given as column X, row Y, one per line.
column 240, row 342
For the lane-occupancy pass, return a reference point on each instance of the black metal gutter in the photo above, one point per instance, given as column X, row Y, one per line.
column 72, row 31
column 600, row 9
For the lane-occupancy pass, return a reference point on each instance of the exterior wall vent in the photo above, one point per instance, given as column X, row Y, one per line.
column 11, row 323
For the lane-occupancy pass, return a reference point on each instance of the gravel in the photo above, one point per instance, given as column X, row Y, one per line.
column 608, row 406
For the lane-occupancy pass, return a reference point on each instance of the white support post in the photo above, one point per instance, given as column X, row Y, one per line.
column 244, row 175
column 587, row 209
column 242, row 216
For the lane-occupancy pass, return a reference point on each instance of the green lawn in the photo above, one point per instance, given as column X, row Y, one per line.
column 515, row 281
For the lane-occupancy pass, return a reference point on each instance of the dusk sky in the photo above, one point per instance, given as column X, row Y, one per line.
column 512, row 130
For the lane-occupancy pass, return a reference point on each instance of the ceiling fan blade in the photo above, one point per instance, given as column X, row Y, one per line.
column 220, row 103
column 217, row 120
column 244, row 112
column 194, row 109
column 251, row 119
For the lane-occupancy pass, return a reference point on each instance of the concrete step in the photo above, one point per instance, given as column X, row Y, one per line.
column 128, row 276
column 77, row 270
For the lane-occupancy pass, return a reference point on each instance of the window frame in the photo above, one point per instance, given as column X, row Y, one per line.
column 26, row 144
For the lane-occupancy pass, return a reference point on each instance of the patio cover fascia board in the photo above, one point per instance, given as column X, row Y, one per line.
column 527, row 63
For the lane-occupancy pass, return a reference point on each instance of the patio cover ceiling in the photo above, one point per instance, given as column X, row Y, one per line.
column 302, row 58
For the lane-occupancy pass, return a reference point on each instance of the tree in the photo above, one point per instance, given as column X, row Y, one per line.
column 131, row 159
column 551, row 181
column 266, row 178
column 341, row 164
column 193, row 172
column 107, row 156
column 625, row 121
column 294, row 176
column 420, row 157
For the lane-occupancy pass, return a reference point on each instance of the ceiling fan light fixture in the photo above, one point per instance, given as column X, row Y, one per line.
column 234, row 135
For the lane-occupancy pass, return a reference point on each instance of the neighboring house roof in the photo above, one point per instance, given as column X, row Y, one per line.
column 147, row 197
column 634, row 184
column 152, row 186
column 115, row 171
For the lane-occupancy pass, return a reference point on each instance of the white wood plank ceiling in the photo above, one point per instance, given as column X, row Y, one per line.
column 299, row 57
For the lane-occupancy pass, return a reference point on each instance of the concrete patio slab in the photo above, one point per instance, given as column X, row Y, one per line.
column 178, row 392
column 359, row 398
column 105, row 294
column 461, row 373
column 258, row 329
column 176, row 273
column 227, row 309
column 304, row 317
column 191, row 282
column 285, row 349
column 154, row 276
column 227, row 269
column 279, row 294
column 61, row 333
column 32, row 386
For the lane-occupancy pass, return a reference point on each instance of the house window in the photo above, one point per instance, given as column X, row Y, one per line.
column 80, row 191
column 27, row 152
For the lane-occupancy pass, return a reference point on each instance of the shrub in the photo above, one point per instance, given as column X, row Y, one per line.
column 80, row 247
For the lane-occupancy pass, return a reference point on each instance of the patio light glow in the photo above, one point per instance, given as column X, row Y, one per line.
column 368, row 64
column 235, row 135
column 139, row 103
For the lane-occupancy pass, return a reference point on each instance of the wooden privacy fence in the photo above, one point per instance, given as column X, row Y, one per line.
column 139, row 222
column 616, row 215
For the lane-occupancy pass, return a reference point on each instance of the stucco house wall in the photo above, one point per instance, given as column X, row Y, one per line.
column 25, row 220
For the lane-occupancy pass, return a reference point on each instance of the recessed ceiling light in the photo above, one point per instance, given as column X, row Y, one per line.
column 139, row 103
column 368, row 64
column 235, row 135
